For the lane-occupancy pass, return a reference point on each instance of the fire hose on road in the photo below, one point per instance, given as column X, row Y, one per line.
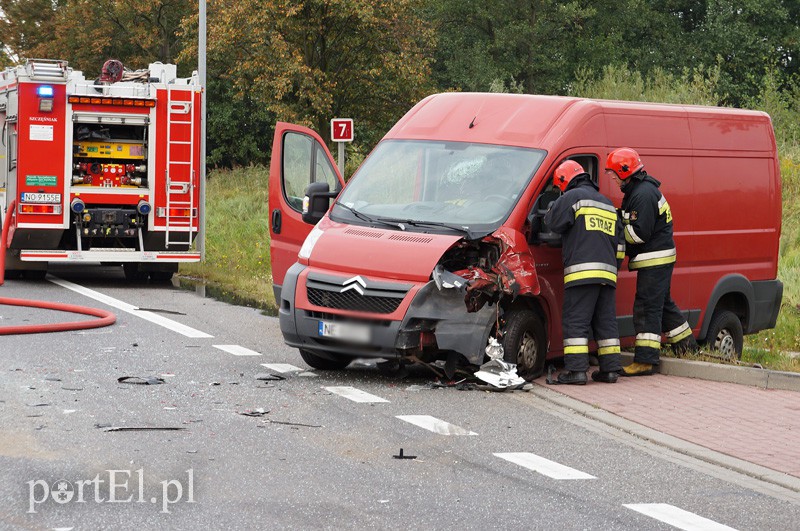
column 106, row 318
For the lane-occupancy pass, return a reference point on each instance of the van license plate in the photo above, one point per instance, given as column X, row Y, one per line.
column 346, row 331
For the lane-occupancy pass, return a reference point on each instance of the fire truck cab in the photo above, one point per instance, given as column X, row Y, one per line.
column 99, row 170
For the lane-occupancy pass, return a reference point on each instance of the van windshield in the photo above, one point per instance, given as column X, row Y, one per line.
column 432, row 186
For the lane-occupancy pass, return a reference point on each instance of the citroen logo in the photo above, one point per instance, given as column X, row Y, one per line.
column 357, row 283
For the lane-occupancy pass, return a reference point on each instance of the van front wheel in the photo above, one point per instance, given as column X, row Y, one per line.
column 525, row 343
column 332, row 362
column 725, row 335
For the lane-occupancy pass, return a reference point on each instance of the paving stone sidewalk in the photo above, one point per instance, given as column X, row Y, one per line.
column 760, row 426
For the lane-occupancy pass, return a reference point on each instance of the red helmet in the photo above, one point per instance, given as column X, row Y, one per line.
column 624, row 162
column 566, row 171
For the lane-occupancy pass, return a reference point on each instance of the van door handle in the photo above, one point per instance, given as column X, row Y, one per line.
column 276, row 221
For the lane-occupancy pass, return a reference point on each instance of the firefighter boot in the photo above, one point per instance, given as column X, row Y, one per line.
column 604, row 376
column 686, row 346
column 572, row 378
column 638, row 369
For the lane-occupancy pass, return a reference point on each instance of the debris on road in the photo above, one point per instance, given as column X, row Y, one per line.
column 292, row 423
column 269, row 377
column 494, row 349
column 260, row 412
column 401, row 456
column 500, row 374
column 138, row 380
column 143, row 428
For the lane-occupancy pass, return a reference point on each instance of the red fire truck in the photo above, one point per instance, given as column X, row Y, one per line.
column 99, row 170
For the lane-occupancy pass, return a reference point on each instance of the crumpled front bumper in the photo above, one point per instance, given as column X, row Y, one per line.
column 439, row 310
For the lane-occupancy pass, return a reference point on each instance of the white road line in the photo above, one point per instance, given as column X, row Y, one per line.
column 544, row 466
column 281, row 367
column 133, row 310
column 356, row 395
column 236, row 350
column 435, row 425
column 677, row 517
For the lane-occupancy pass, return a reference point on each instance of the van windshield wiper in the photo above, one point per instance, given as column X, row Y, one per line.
column 415, row 223
column 369, row 219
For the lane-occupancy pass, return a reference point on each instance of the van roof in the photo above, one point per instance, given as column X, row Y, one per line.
column 544, row 121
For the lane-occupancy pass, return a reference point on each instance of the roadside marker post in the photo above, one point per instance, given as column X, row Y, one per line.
column 341, row 132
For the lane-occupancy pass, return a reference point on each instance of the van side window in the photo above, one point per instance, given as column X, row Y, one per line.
column 589, row 163
column 539, row 232
column 304, row 162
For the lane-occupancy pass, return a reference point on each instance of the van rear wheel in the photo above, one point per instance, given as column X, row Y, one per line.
column 330, row 362
column 525, row 342
column 725, row 335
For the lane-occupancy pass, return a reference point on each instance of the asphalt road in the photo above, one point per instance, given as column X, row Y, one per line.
column 213, row 446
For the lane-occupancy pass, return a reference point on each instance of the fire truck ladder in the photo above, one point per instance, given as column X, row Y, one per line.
column 181, row 208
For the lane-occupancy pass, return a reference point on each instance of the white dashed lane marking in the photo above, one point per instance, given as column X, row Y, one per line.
column 236, row 350
column 677, row 517
column 129, row 308
column 281, row 367
column 544, row 466
column 435, row 425
column 356, row 395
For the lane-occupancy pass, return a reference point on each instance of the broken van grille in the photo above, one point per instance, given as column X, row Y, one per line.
column 352, row 300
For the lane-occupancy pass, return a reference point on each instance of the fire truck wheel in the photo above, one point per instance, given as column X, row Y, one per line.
column 725, row 335
column 132, row 273
column 325, row 364
column 160, row 276
column 525, row 342
column 14, row 274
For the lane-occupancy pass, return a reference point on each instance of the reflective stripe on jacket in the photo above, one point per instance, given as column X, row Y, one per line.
column 589, row 226
column 647, row 223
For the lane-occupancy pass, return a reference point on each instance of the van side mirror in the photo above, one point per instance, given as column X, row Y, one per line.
column 540, row 234
column 317, row 201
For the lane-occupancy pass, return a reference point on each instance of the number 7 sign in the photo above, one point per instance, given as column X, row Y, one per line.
column 342, row 129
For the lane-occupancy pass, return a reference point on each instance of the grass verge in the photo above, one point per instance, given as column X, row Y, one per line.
column 236, row 266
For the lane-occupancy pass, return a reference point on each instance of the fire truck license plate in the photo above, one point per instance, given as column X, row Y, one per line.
column 346, row 331
column 36, row 197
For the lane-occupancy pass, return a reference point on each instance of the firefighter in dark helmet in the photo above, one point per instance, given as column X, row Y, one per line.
column 588, row 223
column 647, row 224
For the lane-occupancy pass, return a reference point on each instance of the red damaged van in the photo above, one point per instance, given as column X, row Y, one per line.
column 437, row 244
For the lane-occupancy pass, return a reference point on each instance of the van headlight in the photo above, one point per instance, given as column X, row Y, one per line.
column 311, row 241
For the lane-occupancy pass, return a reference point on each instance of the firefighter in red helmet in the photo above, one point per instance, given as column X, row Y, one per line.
column 647, row 226
column 587, row 221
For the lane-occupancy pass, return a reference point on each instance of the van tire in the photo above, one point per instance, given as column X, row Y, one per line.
column 525, row 342
column 725, row 335
column 325, row 364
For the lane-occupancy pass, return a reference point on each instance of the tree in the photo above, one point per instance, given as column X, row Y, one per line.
column 541, row 44
column 26, row 24
column 749, row 37
column 311, row 60
column 87, row 32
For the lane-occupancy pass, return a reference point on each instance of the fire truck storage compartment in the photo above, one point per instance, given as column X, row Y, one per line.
column 112, row 156
column 109, row 155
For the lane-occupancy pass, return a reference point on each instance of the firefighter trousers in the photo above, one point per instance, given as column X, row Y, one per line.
column 590, row 308
column 655, row 313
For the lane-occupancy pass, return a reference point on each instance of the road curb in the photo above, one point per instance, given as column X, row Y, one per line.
column 717, row 372
column 768, row 475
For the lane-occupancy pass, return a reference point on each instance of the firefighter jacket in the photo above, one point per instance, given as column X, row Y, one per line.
column 587, row 221
column 647, row 223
